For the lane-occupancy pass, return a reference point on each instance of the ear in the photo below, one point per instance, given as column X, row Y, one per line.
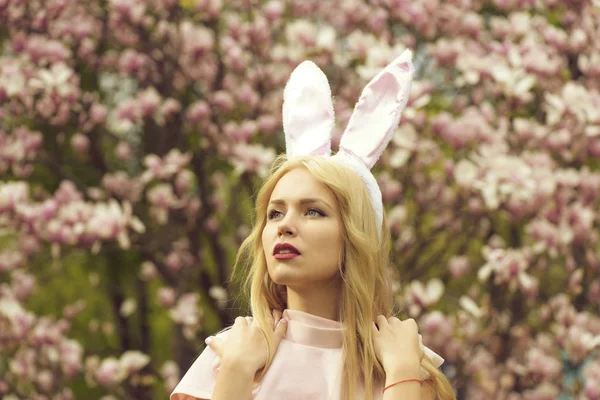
column 308, row 115
column 378, row 110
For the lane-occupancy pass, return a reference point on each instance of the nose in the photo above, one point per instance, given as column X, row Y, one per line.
column 286, row 226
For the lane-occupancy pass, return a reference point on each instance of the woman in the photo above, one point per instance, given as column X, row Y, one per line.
column 317, row 267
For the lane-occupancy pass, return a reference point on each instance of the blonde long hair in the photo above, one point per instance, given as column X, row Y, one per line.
column 364, row 268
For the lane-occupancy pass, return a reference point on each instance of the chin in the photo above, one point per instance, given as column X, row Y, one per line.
column 284, row 277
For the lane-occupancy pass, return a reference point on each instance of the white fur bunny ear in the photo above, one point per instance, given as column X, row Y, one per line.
column 378, row 110
column 308, row 115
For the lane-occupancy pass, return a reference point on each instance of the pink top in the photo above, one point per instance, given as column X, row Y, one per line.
column 306, row 365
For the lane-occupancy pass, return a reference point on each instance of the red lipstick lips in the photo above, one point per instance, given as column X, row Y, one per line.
column 291, row 252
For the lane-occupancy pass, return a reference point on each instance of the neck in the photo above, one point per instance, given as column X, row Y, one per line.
column 320, row 301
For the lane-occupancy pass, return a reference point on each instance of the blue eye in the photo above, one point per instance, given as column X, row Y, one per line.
column 272, row 214
column 316, row 211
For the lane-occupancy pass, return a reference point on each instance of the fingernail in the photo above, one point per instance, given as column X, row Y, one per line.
column 208, row 340
column 284, row 320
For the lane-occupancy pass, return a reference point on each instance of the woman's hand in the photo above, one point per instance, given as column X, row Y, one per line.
column 245, row 346
column 398, row 345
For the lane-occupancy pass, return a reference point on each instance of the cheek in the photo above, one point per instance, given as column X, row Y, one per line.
column 267, row 236
column 328, row 240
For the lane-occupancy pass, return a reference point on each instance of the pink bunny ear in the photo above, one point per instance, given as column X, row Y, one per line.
column 308, row 115
column 378, row 110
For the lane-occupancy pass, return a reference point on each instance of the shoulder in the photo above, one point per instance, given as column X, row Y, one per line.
column 223, row 333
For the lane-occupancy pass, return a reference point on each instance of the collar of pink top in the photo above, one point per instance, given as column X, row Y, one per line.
column 311, row 330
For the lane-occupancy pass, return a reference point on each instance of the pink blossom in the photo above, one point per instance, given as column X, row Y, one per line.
column 166, row 297
column 458, row 266
column 80, row 143
column 72, row 310
column 390, row 188
column 123, row 151
column 541, row 365
column 223, row 100
column 132, row 10
column 128, row 111
column 578, row 343
column 171, row 374
column 397, row 218
column 23, row 284
column 174, row 261
column 134, row 63
column 254, row 158
column 109, row 373
column 12, row 78
column 591, row 372
column 148, row 271
column 184, row 181
column 419, row 296
column 472, row 24
column 133, row 361
column 509, row 266
column 545, row 391
column 247, row 95
column 67, row 193
column 162, row 196
column 42, row 50
column 301, row 33
column 187, row 313
column 148, row 102
column 273, row 10
column 11, row 194
column 212, row 224
column 577, row 40
column 46, row 380
column 267, row 124
column 210, row 8
column 198, row 111
column 98, row 113
column 170, row 108
column 10, row 260
column 59, row 79
column 197, row 40
column 219, row 294
column 434, row 322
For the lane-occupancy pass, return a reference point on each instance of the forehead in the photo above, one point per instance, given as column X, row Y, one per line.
column 298, row 184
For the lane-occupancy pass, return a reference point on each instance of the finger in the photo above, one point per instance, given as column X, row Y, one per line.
column 281, row 329
column 374, row 329
column 249, row 320
column 215, row 344
column 421, row 347
column 412, row 324
column 240, row 320
column 273, row 319
column 381, row 321
column 276, row 317
column 216, row 363
column 394, row 320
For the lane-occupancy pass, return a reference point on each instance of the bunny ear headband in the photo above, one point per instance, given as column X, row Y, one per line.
column 308, row 119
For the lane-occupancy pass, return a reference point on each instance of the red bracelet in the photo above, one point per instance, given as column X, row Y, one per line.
column 406, row 380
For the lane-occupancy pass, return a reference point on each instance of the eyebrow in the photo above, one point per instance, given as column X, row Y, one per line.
column 302, row 202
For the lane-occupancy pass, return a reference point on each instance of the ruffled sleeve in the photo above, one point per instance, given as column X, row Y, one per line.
column 199, row 381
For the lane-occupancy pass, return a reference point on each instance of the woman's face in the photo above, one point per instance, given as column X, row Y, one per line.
column 304, row 213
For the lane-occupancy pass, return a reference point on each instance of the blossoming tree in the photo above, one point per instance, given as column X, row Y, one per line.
column 132, row 133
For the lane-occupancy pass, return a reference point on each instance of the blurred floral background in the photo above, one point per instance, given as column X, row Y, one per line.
column 134, row 133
